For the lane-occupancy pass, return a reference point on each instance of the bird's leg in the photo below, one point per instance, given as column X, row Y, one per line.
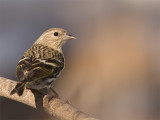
column 55, row 93
column 52, row 94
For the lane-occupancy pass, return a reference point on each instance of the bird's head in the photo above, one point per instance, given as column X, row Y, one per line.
column 54, row 38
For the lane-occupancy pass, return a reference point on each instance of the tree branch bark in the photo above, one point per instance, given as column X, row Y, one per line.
column 55, row 107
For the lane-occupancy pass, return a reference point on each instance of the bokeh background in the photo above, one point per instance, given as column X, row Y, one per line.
column 112, row 70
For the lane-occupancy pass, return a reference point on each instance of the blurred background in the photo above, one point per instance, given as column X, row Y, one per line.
column 112, row 70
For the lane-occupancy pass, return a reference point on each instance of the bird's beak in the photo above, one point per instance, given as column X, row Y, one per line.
column 68, row 37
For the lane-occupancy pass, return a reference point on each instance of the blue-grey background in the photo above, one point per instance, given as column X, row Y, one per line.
column 112, row 69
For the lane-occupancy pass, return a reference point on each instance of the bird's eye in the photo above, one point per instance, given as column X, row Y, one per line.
column 56, row 34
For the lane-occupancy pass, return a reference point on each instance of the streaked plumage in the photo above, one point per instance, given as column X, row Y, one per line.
column 43, row 62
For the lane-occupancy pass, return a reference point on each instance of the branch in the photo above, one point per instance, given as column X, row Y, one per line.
column 55, row 107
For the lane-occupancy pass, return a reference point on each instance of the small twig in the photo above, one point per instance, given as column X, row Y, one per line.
column 55, row 107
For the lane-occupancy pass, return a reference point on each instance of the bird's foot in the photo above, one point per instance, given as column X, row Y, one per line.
column 54, row 93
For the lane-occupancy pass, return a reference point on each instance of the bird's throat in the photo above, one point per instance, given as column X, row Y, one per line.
column 56, row 45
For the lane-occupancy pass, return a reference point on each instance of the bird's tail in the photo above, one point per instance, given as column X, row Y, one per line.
column 19, row 88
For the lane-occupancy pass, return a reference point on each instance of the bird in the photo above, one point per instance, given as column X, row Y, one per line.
column 42, row 63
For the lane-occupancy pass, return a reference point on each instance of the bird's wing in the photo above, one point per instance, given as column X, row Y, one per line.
column 39, row 62
column 29, row 69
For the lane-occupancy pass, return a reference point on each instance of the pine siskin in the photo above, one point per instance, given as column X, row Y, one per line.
column 42, row 63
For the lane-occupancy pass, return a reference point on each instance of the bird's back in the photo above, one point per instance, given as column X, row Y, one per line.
column 39, row 62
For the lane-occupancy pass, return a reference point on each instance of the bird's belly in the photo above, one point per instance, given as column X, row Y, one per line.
column 49, row 80
column 40, row 84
